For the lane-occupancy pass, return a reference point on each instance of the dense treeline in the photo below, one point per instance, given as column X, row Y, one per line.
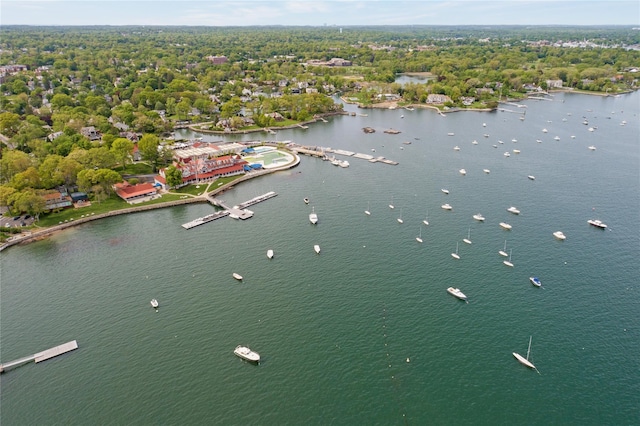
column 136, row 83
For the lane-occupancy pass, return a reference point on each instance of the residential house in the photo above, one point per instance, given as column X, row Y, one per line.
column 435, row 98
column 57, row 200
column 91, row 133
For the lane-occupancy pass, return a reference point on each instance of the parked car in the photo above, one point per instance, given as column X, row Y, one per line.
column 16, row 217
column 27, row 217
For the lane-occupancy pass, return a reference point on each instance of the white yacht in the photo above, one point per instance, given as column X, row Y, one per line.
column 505, row 225
column 246, row 354
column 559, row 235
column 531, row 177
column 400, row 217
column 597, row 223
column 468, row 239
column 478, row 217
column 154, row 303
column 445, row 191
column 508, row 262
column 507, row 154
column 513, row 210
column 316, row 248
column 475, row 142
column 456, row 148
column 344, row 164
column 592, row 147
column 367, row 211
column 237, row 276
column 487, row 171
column 544, row 130
column 456, row 255
column 557, row 138
column 463, row 172
column 457, row 293
column 535, row 281
column 447, row 207
column 270, row 254
column 313, row 217
column 503, row 252
column 516, row 151
column 419, row 237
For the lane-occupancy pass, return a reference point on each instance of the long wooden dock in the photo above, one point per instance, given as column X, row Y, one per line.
column 41, row 356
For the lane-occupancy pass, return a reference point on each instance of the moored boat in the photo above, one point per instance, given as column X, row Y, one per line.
column 237, row 276
column 505, row 225
column 154, row 303
column 478, row 217
column 270, row 254
column 457, row 293
column 313, row 217
column 597, row 223
column 463, row 172
column 513, row 210
column 559, row 235
column 531, row 177
column 525, row 361
column 306, row 200
column 246, row 354
column 316, row 248
column 446, row 206
column 535, row 281
column 445, row 191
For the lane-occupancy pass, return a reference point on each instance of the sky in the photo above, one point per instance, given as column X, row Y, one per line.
column 319, row 12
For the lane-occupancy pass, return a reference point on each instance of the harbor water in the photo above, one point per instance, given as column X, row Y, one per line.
column 364, row 332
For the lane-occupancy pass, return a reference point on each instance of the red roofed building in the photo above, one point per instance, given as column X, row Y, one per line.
column 139, row 193
column 202, row 170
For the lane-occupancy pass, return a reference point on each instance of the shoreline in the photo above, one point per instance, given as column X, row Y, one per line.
column 44, row 233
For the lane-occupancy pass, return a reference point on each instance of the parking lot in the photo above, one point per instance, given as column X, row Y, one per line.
column 16, row 221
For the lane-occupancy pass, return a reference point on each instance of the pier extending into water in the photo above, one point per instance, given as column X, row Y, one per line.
column 41, row 356
column 237, row 212
column 322, row 152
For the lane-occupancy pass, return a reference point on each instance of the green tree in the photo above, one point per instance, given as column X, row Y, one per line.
column 173, row 176
column 148, row 147
column 13, row 162
column 9, row 123
column 6, row 192
column 122, row 148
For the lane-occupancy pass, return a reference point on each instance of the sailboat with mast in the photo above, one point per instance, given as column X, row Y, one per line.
column 525, row 361
column 456, row 255
column 419, row 237
column 508, row 262
column 400, row 218
column 391, row 206
column 367, row 212
column 503, row 252
column 426, row 218
column 467, row 240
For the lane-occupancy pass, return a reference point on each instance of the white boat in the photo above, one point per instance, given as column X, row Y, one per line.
column 400, row 217
column 557, row 138
column 500, row 142
column 597, row 223
column 513, row 210
column 516, row 151
column 484, row 124
column 445, row 191
column 532, row 177
column 503, row 252
column 306, row 200
column 539, row 140
column 391, row 206
column 591, row 129
column 419, row 237
column 246, row 354
column 154, row 303
column 313, row 217
column 456, row 148
column 463, row 172
column 478, row 217
column 508, row 262
column 523, row 360
column 316, row 248
column 270, row 254
column 559, row 235
column 367, row 212
column 450, row 134
column 457, row 293
column 505, row 225
column 487, row 171
column 468, row 239
column 544, row 130
column 514, row 140
column 426, row 219
column 474, row 142
column 506, row 154
column 535, row 281
column 237, row 276
column 446, row 206
column 344, row 164
column 456, row 255
column 592, row 148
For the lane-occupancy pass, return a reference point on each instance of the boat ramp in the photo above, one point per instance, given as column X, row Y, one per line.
column 236, row 212
column 41, row 356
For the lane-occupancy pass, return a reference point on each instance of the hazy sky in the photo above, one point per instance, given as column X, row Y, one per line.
column 319, row 12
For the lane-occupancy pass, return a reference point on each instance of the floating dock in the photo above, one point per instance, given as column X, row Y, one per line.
column 42, row 356
column 236, row 212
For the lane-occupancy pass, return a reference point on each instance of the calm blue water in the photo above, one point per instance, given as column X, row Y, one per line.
column 335, row 330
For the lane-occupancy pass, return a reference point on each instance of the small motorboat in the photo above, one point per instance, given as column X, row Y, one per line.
column 237, row 276
column 457, row 293
column 505, row 225
column 559, row 235
column 507, row 154
column 531, row 177
column 487, row 171
column 478, row 217
column 463, row 172
column 316, row 248
column 246, row 354
column 513, row 210
column 592, row 147
column 535, row 281
column 445, row 191
column 270, row 254
column 154, row 303
column 313, row 216
column 306, row 200
column 447, row 207
column 597, row 223
column 456, row 148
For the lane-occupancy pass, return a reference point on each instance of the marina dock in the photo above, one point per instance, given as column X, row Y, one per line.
column 41, row 356
column 236, row 212
column 322, row 152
